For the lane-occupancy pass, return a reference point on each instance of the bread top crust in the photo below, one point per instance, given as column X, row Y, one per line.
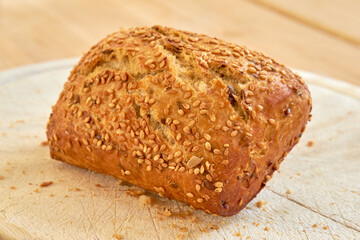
column 214, row 118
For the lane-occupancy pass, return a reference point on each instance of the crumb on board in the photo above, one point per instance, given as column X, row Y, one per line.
column 1, row 177
column 266, row 229
column 3, row 134
column 260, row 203
column 44, row 143
column 314, row 226
column 325, row 227
column 118, row 236
column 146, row 200
column 288, row 191
column 310, row 143
column 52, row 195
column 36, row 190
column 298, row 174
column 135, row 192
column 98, row 185
column 184, row 229
column 166, row 212
column 237, row 234
column 74, row 189
column 45, row 184
column 12, row 187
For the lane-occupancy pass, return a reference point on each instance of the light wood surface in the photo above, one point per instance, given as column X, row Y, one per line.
column 315, row 195
column 320, row 36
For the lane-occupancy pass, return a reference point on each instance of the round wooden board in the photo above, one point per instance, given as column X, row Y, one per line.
column 315, row 195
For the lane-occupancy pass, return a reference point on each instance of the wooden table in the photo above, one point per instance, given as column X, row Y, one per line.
column 317, row 36
column 315, row 195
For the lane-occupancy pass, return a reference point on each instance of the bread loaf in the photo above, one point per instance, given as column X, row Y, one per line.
column 190, row 117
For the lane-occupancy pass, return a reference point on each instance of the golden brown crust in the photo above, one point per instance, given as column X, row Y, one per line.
column 188, row 116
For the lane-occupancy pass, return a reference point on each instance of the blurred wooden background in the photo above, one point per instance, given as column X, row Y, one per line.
column 322, row 36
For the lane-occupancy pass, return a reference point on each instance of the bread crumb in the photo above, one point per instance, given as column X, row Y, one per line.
column 45, row 184
column 325, row 227
column 44, row 143
column 204, row 230
column 12, row 187
column 146, row 200
column 266, row 229
column 36, row 190
column 52, row 195
column 98, row 185
column 238, row 234
column 298, row 174
column 310, row 143
column 314, row 226
column 135, row 192
column 3, row 134
column 74, row 189
column 260, row 203
column 118, row 236
column 288, row 191
column 166, row 213
column 184, row 229
column 1, row 177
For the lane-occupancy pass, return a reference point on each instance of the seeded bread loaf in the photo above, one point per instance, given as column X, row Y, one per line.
column 190, row 117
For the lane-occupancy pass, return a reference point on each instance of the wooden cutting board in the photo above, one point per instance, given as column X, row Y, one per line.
column 315, row 195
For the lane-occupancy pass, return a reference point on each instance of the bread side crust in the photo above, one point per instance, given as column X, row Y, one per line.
column 188, row 116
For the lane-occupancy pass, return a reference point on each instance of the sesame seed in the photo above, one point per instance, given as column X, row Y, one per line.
column 181, row 112
column 218, row 190
column 190, row 195
column 208, row 146
column 186, row 143
column 225, row 128
column 127, row 172
column 142, row 134
column 200, row 200
column 86, row 120
column 207, row 136
column 226, row 152
column 109, row 148
column 187, row 95
column 166, row 111
column 208, row 177
column 111, row 105
column 212, row 117
column 195, row 149
column 203, row 111
column 176, row 122
column 186, row 106
column 178, row 136
column 272, row 121
column 196, row 171
column 283, row 72
column 217, row 151
column 219, row 184
column 177, row 154
column 163, row 147
column 226, row 145
column 148, row 168
column 157, row 157
column 234, row 133
column 139, row 153
column 251, row 70
column 197, row 187
column 193, row 161
column 196, row 103
column 217, row 127
column 225, row 162
column 191, row 123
